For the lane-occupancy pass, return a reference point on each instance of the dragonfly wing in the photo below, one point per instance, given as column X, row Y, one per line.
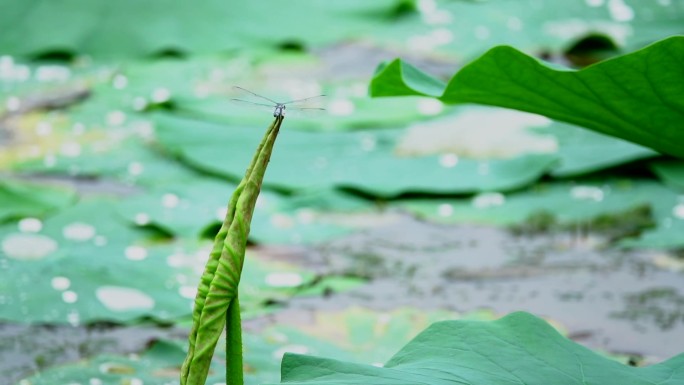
column 254, row 94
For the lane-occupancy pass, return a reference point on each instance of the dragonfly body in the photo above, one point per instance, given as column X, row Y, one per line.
column 278, row 108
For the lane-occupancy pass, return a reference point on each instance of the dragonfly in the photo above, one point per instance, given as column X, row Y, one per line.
column 278, row 107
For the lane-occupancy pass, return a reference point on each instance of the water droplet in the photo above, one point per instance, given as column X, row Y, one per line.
column 73, row 318
column 448, row 160
column 69, row 296
column 221, row 212
column 341, row 107
column 52, row 73
column 282, row 221
column 116, row 118
column 30, row 225
column 78, row 129
column 175, row 260
column 142, row 219
column 60, row 283
column 70, row 149
column 135, row 253
column 13, row 103
column 482, row 32
column 298, row 349
column 620, row 11
column 426, row 6
column 430, row 107
column 368, row 142
column 100, row 240
column 587, row 193
column 161, row 95
column 139, row 103
column 445, row 210
column 594, row 3
column 135, row 381
column 514, row 24
column 28, row 246
column 665, row 3
column 188, row 291
column 284, row 279
column 490, row 199
column 43, row 129
column 95, row 381
column 78, row 231
column 135, row 168
column 119, row 82
column 306, row 216
column 116, row 298
column 170, row 200
column 678, row 211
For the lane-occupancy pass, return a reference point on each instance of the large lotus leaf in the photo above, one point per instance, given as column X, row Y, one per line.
column 518, row 348
column 29, row 199
column 362, row 160
column 127, row 28
column 636, row 97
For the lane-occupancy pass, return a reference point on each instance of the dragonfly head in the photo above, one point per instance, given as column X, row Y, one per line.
column 279, row 110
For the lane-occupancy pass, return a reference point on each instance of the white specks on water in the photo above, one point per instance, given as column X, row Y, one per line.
column 587, row 193
column 221, row 212
column 70, row 149
column 28, row 246
column 60, row 283
column 43, row 128
column 368, row 142
column 140, row 103
column 69, row 296
column 176, row 260
column 52, row 73
column 30, row 225
column 119, row 82
column 161, row 95
column 620, row 11
column 78, row 128
column 95, row 381
column 135, row 381
column 142, row 219
column 489, row 199
column 187, row 291
column 665, row 3
column 78, row 231
column 100, row 240
column 73, row 318
column 284, row 279
column 430, row 107
column 306, row 216
column 135, row 168
column 678, row 210
column 117, row 298
column 282, row 221
column 378, row 364
column 448, row 160
column 13, row 103
column 170, row 200
column 297, row 349
column 445, row 210
column 482, row 32
column 135, row 253
column 442, row 36
column 115, row 118
column 595, row 3
column 341, row 107
column 514, row 23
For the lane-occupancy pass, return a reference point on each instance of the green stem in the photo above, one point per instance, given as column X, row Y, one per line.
column 216, row 302
column 234, row 344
